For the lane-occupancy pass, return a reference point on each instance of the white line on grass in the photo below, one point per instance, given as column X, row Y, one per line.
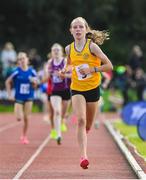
column 29, row 162
column 135, row 166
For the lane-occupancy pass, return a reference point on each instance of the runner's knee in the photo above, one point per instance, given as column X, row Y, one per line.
column 57, row 112
column 81, row 122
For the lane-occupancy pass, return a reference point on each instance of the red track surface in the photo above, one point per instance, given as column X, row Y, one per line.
column 59, row 162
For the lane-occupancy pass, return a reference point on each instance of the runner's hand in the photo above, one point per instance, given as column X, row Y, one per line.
column 61, row 74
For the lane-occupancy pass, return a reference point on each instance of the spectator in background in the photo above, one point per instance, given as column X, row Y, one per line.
column 136, row 64
column 123, row 81
column 8, row 59
column 140, row 83
column 35, row 59
column 136, row 59
column 128, row 83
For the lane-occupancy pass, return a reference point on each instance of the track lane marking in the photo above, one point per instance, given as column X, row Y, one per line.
column 8, row 126
column 29, row 162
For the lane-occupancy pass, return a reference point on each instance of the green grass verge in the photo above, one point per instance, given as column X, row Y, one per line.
column 130, row 132
column 10, row 108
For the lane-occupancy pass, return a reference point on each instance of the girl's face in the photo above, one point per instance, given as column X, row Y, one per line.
column 22, row 59
column 78, row 29
column 56, row 52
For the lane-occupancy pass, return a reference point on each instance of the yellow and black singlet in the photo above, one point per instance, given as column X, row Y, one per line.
column 81, row 60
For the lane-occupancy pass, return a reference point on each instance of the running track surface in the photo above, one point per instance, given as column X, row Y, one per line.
column 44, row 159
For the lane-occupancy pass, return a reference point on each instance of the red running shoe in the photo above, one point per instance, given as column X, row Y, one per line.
column 87, row 130
column 84, row 163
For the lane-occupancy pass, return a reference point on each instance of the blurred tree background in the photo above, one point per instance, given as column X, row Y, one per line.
column 40, row 23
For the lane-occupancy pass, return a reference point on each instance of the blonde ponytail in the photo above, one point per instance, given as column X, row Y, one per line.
column 97, row 37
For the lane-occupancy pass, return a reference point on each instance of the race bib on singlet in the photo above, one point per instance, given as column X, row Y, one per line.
column 24, row 88
column 56, row 79
column 81, row 76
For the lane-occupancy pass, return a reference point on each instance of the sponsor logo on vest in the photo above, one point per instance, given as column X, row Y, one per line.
column 85, row 56
column 79, row 54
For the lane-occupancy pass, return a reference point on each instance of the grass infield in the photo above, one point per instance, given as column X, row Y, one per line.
column 130, row 133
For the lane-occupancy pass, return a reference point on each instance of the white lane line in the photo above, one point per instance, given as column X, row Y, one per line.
column 8, row 126
column 29, row 162
column 132, row 161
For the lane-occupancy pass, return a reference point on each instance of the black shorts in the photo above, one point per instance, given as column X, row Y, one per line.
column 92, row 95
column 65, row 94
